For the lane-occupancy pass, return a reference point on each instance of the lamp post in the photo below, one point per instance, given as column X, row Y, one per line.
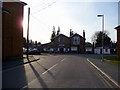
column 102, row 35
column 28, row 32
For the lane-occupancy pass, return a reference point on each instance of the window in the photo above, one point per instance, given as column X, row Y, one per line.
column 76, row 40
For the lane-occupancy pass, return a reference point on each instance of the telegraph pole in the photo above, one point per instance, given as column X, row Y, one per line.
column 28, row 32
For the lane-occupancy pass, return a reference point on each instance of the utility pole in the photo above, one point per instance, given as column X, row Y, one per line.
column 102, row 35
column 103, row 38
column 28, row 32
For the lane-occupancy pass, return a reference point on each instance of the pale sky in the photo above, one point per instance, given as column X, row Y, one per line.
column 69, row 14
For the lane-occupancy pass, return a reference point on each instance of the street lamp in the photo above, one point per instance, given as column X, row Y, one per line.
column 28, row 32
column 102, row 35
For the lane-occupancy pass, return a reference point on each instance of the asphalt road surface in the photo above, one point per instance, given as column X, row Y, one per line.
column 56, row 71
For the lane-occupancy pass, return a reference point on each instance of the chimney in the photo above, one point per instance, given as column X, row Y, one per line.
column 70, row 32
column 84, row 33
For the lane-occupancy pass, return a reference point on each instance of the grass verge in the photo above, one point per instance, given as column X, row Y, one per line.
column 45, row 54
column 112, row 59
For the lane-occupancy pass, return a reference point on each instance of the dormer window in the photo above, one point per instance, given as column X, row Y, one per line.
column 76, row 40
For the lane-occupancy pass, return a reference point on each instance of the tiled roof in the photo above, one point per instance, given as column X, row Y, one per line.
column 118, row 27
column 60, row 35
column 77, row 35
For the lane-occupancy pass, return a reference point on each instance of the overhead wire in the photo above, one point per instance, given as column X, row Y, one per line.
column 39, row 20
column 44, row 7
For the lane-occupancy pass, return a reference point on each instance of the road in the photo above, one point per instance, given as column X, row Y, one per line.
column 56, row 71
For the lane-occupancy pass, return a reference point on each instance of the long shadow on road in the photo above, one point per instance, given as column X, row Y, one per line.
column 50, row 73
column 43, row 84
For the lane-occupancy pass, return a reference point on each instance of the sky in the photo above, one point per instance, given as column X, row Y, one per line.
column 69, row 14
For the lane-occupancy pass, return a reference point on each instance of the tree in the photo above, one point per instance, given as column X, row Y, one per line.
column 36, row 43
column 58, row 31
column 97, row 38
column 71, row 32
column 39, row 43
column 53, row 33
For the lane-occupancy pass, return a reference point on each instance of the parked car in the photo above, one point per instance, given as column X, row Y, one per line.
column 34, row 51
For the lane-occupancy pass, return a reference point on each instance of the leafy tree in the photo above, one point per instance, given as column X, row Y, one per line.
column 36, row 43
column 71, row 32
column 97, row 38
column 53, row 33
column 58, row 32
column 39, row 43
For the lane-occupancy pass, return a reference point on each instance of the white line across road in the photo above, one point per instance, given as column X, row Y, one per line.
column 62, row 60
column 26, row 86
column 49, row 69
column 103, row 73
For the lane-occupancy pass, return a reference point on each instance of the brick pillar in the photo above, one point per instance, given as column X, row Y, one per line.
column 118, row 41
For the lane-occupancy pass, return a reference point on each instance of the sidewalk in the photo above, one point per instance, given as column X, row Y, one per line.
column 7, row 65
column 111, row 69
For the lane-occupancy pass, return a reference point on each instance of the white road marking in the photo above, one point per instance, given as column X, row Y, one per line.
column 62, row 60
column 49, row 69
column 103, row 73
column 26, row 86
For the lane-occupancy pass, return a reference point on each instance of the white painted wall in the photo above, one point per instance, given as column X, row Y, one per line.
column 58, row 49
column 106, row 52
column 51, row 49
column 73, row 48
column 97, row 51
column 64, row 49
column 88, row 49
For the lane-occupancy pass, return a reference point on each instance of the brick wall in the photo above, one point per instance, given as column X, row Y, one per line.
column 82, row 45
column 0, row 37
column 63, row 40
column 118, row 43
column 12, row 30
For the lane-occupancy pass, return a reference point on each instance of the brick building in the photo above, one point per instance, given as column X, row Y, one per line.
column 12, row 29
column 64, row 44
column 118, row 41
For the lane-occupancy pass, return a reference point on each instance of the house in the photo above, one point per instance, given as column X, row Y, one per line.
column 88, row 47
column 12, row 29
column 77, row 43
column 118, row 41
column 64, row 44
column 108, row 49
column 98, row 50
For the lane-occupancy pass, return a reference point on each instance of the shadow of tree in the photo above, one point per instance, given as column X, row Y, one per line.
column 50, row 73
column 43, row 84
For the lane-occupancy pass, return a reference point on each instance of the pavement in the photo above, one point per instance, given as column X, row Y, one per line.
column 62, row 71
column 11, row 64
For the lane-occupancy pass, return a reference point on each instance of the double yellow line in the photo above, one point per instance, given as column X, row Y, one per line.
column 106, row 83
column 100, row 76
